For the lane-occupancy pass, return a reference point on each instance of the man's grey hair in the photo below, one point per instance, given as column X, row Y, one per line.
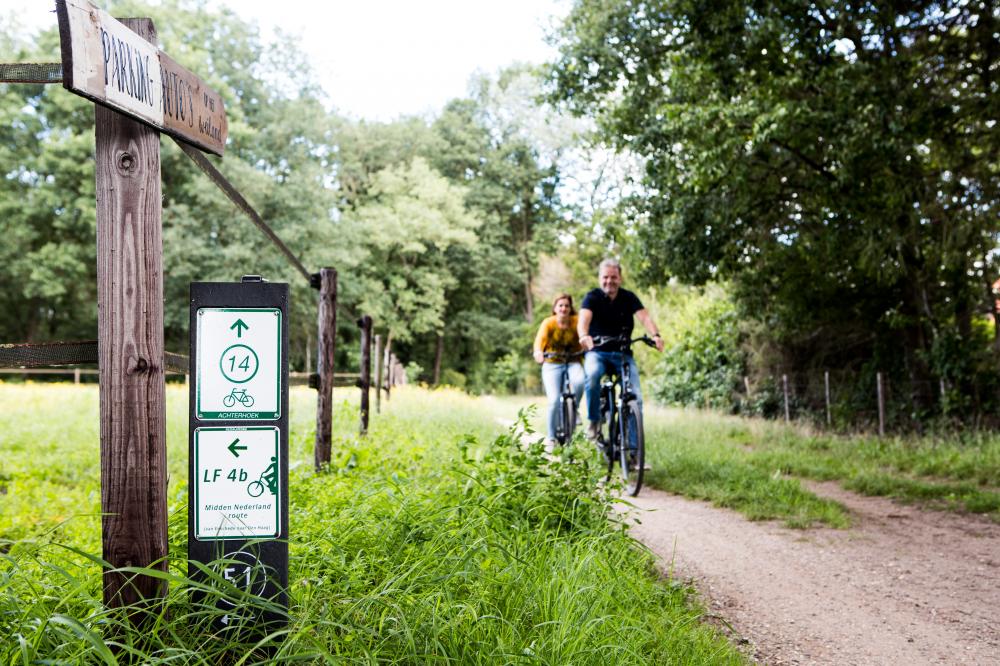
column 610, row 263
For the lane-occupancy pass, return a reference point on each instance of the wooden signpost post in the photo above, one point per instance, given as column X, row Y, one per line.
column 130, row 353
column 139, row 92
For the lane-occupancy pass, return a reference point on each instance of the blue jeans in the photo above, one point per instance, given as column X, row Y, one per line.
column 552, row 379
column 597, row 364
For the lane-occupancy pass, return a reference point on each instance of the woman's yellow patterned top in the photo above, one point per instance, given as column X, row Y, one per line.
column 551, row 338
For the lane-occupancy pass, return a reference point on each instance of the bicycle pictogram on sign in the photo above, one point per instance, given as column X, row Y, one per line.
column 268, row 478
column 238, row 396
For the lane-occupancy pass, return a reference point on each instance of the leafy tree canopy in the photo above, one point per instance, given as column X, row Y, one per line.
column 837, row 161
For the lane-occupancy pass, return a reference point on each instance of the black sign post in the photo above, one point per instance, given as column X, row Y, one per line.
column 238, row 445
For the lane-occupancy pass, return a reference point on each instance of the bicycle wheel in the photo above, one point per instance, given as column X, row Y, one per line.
column 229, row 400
column 247, row 401
column 255, row 489
column 612, row 435
column 568, row 419
column 632, row 448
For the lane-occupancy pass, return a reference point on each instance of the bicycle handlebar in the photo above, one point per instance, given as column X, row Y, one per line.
column 623, row 340
column 563, row 355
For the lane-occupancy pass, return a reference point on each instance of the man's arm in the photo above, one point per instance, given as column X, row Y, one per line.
column 647, row 322
column 583, row 328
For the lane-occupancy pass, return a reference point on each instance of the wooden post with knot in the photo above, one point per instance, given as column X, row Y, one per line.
column 365, row 378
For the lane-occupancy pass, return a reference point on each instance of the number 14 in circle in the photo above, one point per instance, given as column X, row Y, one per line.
column 239, row 363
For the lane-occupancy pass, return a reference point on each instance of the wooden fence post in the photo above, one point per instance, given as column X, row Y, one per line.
column 881, row 404
column 388, row 367
column 365, row 380
column 784, row 384
column 398, row 372
column 326, row 340
column 826, row 385
column 130, row 351
column 76, row 375
column 378, row 374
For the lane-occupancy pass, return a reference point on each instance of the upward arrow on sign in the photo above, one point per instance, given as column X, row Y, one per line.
column 240, row 326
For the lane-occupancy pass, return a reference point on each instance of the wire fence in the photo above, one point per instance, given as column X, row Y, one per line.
column 848, row 400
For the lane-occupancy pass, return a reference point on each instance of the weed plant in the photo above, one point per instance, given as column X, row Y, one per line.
column 438, row 538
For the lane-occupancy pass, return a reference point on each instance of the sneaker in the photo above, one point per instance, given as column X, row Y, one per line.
column 646, row 467
column 594, row 430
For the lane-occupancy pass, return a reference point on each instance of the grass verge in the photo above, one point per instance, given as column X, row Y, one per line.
column 753, row 466
column 438, row 538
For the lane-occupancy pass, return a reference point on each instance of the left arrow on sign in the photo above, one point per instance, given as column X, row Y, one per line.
column 233, row 448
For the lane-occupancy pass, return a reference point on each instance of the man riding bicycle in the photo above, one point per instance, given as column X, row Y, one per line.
column 607, row 312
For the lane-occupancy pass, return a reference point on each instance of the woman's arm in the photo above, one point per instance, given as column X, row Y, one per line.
column 541, row 342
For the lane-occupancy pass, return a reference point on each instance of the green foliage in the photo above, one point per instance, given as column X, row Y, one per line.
column 434, row 225
column 413, row 217
column 435, row 539
column 531, row 492
column 515, row 372
column 703, row 363
column 836, row 164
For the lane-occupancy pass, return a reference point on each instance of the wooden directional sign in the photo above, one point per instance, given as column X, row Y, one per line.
column 106, row 62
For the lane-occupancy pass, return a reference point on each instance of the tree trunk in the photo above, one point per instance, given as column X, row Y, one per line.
column 438, row 353
column 529, row 299
column 917, row 346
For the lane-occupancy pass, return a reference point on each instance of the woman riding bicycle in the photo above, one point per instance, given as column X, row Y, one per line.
column 557, row 348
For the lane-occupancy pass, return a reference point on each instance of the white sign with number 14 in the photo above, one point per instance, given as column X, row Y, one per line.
column 238, row 364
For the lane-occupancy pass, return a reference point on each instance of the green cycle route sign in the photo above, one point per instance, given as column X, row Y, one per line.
column 237, row 490
column 238, row 365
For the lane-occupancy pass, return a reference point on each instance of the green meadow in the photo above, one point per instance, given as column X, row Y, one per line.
column 756, row 466
column 438, row 538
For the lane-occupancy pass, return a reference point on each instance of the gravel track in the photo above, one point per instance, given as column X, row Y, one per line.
column 902, row 586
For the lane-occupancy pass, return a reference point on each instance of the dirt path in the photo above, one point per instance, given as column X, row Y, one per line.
column 903, row 586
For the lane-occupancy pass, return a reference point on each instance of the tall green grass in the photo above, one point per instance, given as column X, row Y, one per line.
column 438, row 538
column 754, row 466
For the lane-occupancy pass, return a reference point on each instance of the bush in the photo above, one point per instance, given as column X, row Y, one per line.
column 703, row 363
column 450, row 377
column 514, row 373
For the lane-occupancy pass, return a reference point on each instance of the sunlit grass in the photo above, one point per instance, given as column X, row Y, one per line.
column 753, row 466
column 437, row 538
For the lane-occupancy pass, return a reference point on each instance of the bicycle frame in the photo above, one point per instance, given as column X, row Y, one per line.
column 618, row 393
column 564, row 433
column 617, row 400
